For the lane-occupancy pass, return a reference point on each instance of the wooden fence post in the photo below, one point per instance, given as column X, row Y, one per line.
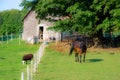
column 19, row 38
column 28, row 74
column 31, row 70
column 22, row 76
column 11, row 37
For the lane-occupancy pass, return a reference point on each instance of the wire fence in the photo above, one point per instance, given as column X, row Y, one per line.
column 108, row 40
column 10, row 37
column 32, row 67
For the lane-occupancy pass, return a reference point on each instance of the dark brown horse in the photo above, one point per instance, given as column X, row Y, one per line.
column 80, row 49
column 27, row 57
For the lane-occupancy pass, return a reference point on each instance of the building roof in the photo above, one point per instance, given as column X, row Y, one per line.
column 27, row 14
column 49, row 17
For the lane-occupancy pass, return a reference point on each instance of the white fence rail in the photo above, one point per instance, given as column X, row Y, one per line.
column 32, row 67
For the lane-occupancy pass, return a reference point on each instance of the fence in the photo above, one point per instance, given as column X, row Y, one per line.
column 9, row 37
column 108, row 40
column 32, row 67
column 6, row 38
column 87, row 39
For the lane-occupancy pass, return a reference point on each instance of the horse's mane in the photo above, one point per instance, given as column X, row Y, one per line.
column 83, row 47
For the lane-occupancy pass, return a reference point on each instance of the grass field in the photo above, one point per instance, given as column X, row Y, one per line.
column 11, row 57
column 99, row 65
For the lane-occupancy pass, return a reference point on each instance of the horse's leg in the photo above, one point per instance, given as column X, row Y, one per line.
column 84, row 57
column 76, row 57
column 80, row 58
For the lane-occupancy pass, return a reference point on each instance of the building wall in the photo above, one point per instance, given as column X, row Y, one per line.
column 47, row 34
column 29, row 26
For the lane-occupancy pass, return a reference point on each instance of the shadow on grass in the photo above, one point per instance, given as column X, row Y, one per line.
column 2, row 58
column 94, row 60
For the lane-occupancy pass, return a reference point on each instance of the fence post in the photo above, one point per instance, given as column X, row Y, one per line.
column 22, row 76
column 28, row 74
column 19, row 39
column 31, row 71
column 34, row 63
column 31, row 68
column 11, row 37
column 7, row 37
column 2, row 38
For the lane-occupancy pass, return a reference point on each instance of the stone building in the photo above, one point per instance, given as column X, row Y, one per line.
column 33, row 29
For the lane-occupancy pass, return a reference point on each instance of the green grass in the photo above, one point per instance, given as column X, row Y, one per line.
column 58, row 66
column 11, row 58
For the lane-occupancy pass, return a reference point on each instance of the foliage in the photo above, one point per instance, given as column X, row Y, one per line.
column 10, row 21
column 52, row 7
column 28, row 4
column 90, row 16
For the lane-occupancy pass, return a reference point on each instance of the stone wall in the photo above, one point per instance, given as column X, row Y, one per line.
column 30, row 25
column 31, row 28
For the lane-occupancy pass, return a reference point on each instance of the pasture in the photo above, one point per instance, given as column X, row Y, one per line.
column 101, row 64
column 11, row 58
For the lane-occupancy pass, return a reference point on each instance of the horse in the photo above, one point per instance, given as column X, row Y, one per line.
column 80, row 48
column 27, row 57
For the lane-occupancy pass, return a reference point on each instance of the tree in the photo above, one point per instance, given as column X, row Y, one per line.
column 93, row 17
column 10, row 21
column 53, row 7
column 28, row 4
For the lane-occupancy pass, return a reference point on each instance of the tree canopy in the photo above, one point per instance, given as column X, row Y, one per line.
column 28, row 4
column 93, row 17
column 90, row 16
column 10, row 21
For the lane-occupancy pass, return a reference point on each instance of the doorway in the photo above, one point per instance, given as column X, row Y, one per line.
column 41, row 29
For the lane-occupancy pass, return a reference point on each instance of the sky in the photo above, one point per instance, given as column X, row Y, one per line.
column 10, row 4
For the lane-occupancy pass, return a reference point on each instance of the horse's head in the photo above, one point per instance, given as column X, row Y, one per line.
column 72, row 48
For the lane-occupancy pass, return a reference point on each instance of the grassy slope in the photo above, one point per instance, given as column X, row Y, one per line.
column 10, row 59
column 98, row 66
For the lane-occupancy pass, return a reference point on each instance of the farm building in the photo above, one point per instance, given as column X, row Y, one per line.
column 32, row 29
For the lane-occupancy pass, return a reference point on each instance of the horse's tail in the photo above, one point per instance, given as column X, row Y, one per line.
column 71, row 49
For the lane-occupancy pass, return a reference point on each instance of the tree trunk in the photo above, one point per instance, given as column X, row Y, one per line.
column 98, row 39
